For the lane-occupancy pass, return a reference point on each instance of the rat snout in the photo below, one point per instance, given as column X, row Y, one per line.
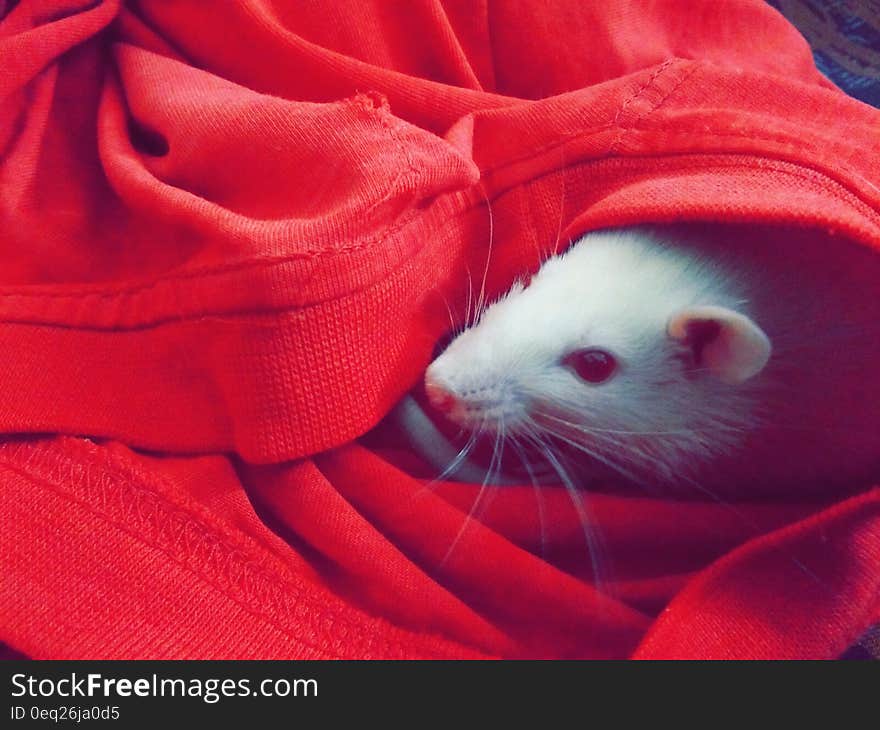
column 471, row 404
column 470, row 394
column 439, row 396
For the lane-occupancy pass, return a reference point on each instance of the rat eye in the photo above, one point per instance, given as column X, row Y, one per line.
column 592, row 364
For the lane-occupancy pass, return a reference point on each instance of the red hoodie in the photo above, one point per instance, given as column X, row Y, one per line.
column 227, row 241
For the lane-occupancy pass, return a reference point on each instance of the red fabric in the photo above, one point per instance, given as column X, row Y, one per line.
column 227, row 236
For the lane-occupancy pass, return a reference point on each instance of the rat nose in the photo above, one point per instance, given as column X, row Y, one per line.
column 439, row 397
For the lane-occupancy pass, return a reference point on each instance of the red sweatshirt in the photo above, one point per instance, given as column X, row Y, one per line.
column 227, row 240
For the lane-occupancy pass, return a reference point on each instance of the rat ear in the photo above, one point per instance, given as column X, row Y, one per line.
column 728, row 343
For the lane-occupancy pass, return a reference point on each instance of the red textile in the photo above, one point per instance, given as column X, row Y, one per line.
column 226, row 237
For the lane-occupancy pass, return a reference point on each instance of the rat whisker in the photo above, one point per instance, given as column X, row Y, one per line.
column 591, row 453
column 545, row 414
column 479, row 499
column 592, row 535
column 453, row 465
column 539, row 494
column 462, row 455
column 481, row 301
column 756, row 530
column 561, row 206
column 454, row 326
column 612, row 431
column 469, row 322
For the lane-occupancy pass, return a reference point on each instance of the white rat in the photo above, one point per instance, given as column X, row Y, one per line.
column 723, row 359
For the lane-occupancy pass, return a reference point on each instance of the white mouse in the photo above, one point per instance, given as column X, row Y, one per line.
column 735, row 360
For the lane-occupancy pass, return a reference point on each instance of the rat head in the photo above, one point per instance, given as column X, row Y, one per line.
column 621, row 346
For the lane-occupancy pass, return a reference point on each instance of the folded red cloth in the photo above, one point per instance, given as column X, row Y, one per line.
column 228, row 240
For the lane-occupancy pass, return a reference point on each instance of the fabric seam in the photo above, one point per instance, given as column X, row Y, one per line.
column 158, row 518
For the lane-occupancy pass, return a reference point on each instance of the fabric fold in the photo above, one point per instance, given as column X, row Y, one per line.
column 230, row 239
